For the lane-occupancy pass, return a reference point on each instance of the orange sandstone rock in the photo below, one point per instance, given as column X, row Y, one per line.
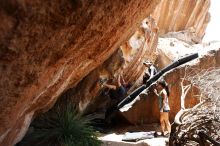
column 191, row 15
column 49, row 46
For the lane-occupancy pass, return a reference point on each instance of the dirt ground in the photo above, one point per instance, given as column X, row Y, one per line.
column 115, row 135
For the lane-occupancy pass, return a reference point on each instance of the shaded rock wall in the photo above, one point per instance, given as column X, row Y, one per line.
column 191, row 15
column 128, row 59
column 49, row 46
column 146, row 110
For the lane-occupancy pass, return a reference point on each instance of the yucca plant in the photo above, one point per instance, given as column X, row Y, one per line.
column 62, row 126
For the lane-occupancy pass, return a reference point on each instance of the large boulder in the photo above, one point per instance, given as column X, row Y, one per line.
column 53, row 48
column 49, row 46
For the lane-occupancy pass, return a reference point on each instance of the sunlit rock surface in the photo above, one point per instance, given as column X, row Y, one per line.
column 49, row 46
column 191, row 15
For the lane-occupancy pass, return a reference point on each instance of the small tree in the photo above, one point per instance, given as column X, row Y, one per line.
column 200, row 125
column 184, row 91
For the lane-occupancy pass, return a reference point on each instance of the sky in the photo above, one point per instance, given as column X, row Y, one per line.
column 213, row 28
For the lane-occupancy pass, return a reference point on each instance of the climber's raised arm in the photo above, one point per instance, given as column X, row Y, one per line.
column 110, row 86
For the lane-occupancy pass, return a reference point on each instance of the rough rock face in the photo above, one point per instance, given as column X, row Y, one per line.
column 49, row 46
column 191, row 15
column 146, row 110
column 185, row 35
column 129, row 58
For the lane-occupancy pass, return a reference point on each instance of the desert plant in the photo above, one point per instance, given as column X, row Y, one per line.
column 62, row 126
column 200, row 125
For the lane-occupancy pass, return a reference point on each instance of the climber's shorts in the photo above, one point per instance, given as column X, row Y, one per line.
column 166, row 110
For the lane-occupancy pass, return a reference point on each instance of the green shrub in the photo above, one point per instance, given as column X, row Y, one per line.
column 62, row 127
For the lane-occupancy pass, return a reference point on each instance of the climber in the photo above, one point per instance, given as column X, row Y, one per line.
column 118, row 91
column 164, row 107
column 150, row 71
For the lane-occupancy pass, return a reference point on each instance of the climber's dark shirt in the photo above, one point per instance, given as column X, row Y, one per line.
column 118, row 94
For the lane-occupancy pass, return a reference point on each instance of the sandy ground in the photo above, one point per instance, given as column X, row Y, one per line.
column 116, row 140
column 115, row 136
